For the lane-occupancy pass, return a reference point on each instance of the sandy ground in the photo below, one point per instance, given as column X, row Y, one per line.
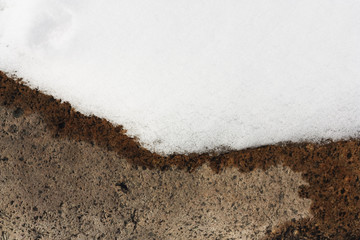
column 64, row 175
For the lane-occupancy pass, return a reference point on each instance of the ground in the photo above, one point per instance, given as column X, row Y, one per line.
column 64, row 175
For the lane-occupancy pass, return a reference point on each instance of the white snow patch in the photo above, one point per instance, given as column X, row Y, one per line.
column 193, row 75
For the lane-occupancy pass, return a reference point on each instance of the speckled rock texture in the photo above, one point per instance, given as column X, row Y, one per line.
column 34, row 121
column 63, row 189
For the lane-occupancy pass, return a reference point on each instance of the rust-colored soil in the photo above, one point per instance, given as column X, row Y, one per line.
column 332, row 169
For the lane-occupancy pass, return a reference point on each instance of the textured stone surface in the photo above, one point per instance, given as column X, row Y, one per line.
column 332, row 169
column 63, row 189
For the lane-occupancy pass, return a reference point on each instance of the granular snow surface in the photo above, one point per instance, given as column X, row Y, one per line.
column 195, row 75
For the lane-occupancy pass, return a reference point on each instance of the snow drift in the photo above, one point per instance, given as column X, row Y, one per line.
column 190, row 76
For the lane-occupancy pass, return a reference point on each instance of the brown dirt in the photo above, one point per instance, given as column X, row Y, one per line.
column 332, row 169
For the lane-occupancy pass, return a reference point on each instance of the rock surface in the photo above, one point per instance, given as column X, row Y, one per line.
column 331, row 169
column 63, row 189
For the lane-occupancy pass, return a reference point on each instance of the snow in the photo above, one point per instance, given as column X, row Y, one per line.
column 195, row 75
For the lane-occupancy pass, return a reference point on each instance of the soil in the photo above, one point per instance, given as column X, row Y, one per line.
column 332, row 169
